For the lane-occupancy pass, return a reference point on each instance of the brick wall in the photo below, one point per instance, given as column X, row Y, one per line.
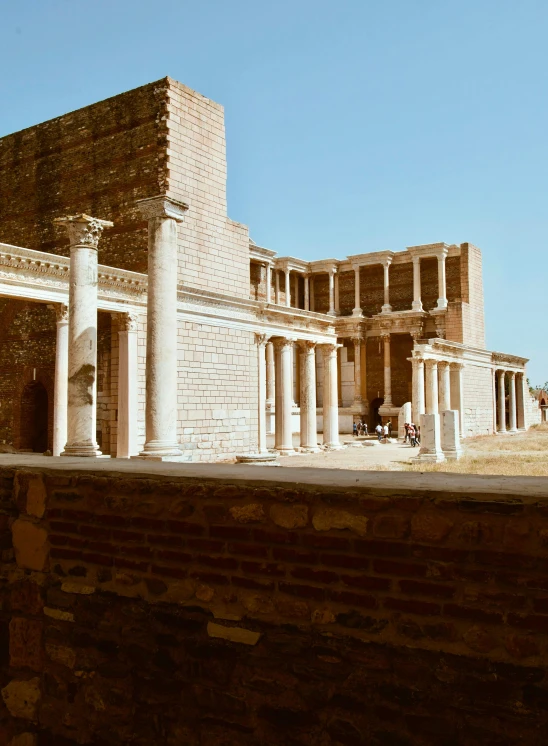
column 246, row 609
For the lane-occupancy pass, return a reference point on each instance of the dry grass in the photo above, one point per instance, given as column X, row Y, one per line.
column 535, row 440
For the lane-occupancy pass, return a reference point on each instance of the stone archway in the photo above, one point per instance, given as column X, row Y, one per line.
column 33, row 428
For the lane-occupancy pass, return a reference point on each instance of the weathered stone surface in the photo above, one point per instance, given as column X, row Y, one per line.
column 257, row 604
column 64, row 616
column 430, row 527
column 61, row 654
column 521, row 646
column 480, row 639
column 252, row 513
column 30, row 543
column 30, row 493
column 289, row 516
column 84, row 590
column 24, row 739
column 233, row 634
column 22, row 697
column 204, row 593
column 325, row 519
column 25, row 643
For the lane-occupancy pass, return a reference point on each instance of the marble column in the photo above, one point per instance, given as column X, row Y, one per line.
column 296, row 369
column 163, row 214
column 339, row 377
column 269, row 373
column 444, row 386
column 126, row 445
column 457, row 392
column 442, row 292
column 387, row 371
column 296, row 289
column 387, row 308
column 357, row 311
column 494, row 401
column 332, row 311
column 309, row 433
column 261, row 341
column 287, row 288
column 358, row 396
column 431, row 386
column 501, row 402
column 306, row 293
column 520, row 400
column 418, row 407
column 417, row 300
column 277, row 286
column 84, row 233
column 268, row 283
column 330, row 397
column 284, row 387
column 312, row 299
column 512, row 401
column 60, row 392
column 337, row 297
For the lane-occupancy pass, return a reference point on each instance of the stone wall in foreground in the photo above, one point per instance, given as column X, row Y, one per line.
column 165, row 610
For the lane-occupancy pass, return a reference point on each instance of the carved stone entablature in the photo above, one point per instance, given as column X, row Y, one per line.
column 502, row 360
column 128, row 322
column 162, row 207
column 405, row 322
column 112, row 279
column 83, row 230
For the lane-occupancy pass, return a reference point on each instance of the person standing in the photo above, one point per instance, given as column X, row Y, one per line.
column 378, row 430
column 385, row 432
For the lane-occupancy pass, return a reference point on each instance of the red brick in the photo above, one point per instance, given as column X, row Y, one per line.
column 366, row 582
column 423, row 608
column 540, row 584
column 303, row 591
column 115, row 521
column 127, row 536
column 275, row 537
column 477, row 615
column 288, row 554
column 532, row 622
column 97, row 559
column 391, row 526
column 65, row 553
column 326, row 542
column 131, row 565
column 101, row 546
column 75, row 515
column 390, row 567
column 130, row 551
column 501, row 559
column 442, row 554
column 345, row 560
column 209, row 577
column 230, row 532
column 427, row 589
column 171, row 556
column 314, row 576
column 263, row 568
column 64, row 527
column 166, row 541
column 249, row 550
column 95, row 532
column 169, row 572
column 353, row 599
column 186, row 527
column 149, row 524
column 57, row 540
column 206, row 545
column 54, row 513
column 257, row 585
column 221, row 563
column 541, row 605
column 382, row 548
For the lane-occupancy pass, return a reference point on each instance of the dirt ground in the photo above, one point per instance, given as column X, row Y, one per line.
column 525, row 454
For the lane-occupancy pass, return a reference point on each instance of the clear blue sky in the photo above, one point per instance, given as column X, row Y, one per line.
column 352, row 126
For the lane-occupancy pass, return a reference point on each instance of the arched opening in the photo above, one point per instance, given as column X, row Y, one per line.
column 374, row 416
column 34, row 418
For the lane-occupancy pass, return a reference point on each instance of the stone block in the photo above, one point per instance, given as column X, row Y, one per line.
column 22, row 698
column 327, row 518
column 450, row 438
column 30, row 494
column 404, row 415
column 289, row 516
column 430, row 450
column 25, row 643
column 30, row 543
column 233, row 634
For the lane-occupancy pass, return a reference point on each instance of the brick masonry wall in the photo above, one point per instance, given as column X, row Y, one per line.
column 161, row 610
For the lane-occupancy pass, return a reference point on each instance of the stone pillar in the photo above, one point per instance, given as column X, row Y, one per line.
column 60, row 393
column 431, row 387
column 126, row 445
column 418, row 389
column 306, row 293
column 357, row 298
column 261, row 341
column 450, row 440
column 339, row 377
column 284, row 388
column 520, row 401
column 512, row 401
column 312, row 299
column 162, row 214
column 442, row 292
column 337, row 299
column 296, row 376
column 268, row 283
column 330, row 396
column 494, row 401
column 332, row 311
column 444, row 386
column 287, row 288
column 358, row 397
column 84, row 233
column 296, row 289
column 277, row 286
column 387, row 372
column 386, row 307
column 270, row 374
column 502, row 402
column 457, row 393
column 417, row 301
column 430, row 450
column 309, row 433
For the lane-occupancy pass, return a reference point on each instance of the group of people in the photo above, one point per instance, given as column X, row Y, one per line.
column 412, row 434
column 360, row 428
column 384, row 431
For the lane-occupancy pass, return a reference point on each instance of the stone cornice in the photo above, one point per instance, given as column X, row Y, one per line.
column 162, row 206
column 260, row 254
column 375, row 257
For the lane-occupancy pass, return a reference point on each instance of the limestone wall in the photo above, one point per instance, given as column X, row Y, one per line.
column 235, row 607
column 478, row 400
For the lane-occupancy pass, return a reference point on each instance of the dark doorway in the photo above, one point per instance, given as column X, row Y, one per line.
column 374, row 416
column 34, row 418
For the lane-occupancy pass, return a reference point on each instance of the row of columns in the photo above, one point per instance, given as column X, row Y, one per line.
column 515, row 401
column 437, row 386
column 276, row 357
column 308, row 289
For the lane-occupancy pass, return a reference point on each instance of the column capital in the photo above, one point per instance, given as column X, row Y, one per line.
column 357, row 341
column 511, row 374
column 128, row 322
column 281, row 342
column 385, row 335
column 431, row 363
column 443, row 363
column 261, row 339
column 306, row 345
column 456, row 366
column 83, row 230
column 330, row 348
column 416, row 361
column 62, row 313
column 162, row 207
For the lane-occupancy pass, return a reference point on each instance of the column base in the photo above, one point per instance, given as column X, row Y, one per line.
column 333, row 446
column 159, row 457
column 265, row 457
column 442, row 304
column 453, row 455
column 502, row 432
column 417, row 306
column 309, row 449
column 387, row 308
column 85, row 450
column 161, row 451
column 332, row 313
column 285, row 451
column 429, row 457
column 357, row 313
